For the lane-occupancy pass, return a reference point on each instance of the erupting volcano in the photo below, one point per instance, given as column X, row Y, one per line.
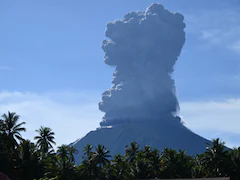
column 142, row 105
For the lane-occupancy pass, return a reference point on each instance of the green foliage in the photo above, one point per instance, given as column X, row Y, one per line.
column 24, row 160
column 45, row 139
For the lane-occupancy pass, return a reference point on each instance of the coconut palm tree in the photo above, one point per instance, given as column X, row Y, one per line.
column 154, row 163
column 131, row 151
column 29, row 160
column 234, row 163
column 63, row 154
column 67, row 168
column 199, row 170
column 88, row 167
column 72, row 151
column 45, row 139
column 101, row 155
column 87, row 152
column 120, row 167
column 169, row 161
column 215, row 157
column 140, row 168
column 10, row 128
column 27, row 150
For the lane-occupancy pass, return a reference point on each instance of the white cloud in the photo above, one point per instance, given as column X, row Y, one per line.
column 216, row 27
column 214, row 119
column 223, row 116
column 69, row 121
column 71, row 115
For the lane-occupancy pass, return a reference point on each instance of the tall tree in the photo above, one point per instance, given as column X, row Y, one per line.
column 63, row 154
column 29, row 160
column 101, row 156
column 234, row 163
column 199, row 170
column 140, row 168
column 154, row 163
column 176, row 164
column 87, row 152
column 147, row 164
column 88, row 166
column 45, row 139
column 120, row 167
column 10, row 135
column 215, row 158
column 131, row 151
column 72, row 152
column 11, row 129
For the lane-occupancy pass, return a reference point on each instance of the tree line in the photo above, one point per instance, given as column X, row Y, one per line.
column 21, row 159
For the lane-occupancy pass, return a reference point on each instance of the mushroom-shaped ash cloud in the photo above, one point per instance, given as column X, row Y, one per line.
column 143, row 47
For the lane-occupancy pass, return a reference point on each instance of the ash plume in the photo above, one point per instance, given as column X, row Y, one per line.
column 143, row 47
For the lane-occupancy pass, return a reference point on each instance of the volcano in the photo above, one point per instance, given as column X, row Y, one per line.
column 142, row 106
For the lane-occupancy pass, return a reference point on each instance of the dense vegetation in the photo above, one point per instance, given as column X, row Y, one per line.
column 22, row 159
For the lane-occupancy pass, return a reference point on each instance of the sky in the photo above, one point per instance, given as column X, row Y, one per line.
column 52, row 71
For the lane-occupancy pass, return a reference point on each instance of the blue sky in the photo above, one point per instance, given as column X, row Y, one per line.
column 53, row 74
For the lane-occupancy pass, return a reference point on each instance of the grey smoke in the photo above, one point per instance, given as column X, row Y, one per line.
column 143, row 46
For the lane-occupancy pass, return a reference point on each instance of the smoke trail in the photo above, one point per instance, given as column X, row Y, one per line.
column 144, row 47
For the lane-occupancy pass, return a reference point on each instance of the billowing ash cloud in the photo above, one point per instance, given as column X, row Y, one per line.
column 144, row 47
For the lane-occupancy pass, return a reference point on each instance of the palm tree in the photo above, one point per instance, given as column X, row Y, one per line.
column 88, row 167
column 119, row 167
column 131, row 151
column 215, row 157
column 169, row 160
column 185, row 164
column 101, row 155
column 87, row 152
column 45, row 139
column 140, row 168
column 67, row 168
column 235, row 163
column 27, row 150
column 10, row 133
column 29, row 160
column 63, row 153
column 146, row 164
column 9, row 127
column 72, row 151
column 154, row 163
column 199, row 170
